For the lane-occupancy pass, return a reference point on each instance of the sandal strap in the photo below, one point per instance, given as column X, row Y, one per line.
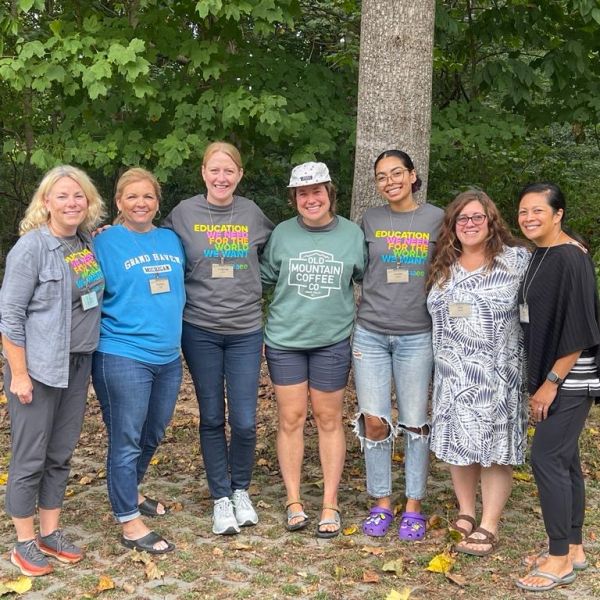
column 331, row 507
column 295, row 502
column 488, row 537
column 468, row 518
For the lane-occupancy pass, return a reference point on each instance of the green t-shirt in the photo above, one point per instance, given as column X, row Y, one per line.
column 313, row 271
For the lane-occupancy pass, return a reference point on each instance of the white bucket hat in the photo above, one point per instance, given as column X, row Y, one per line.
column 309, row 173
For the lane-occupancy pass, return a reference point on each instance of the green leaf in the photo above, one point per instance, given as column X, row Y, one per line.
column 26, row 5
column 206, row 7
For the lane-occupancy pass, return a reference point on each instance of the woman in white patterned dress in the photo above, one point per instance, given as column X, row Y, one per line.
column 479, row 418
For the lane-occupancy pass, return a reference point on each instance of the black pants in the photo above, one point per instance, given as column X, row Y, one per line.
column 557, row 471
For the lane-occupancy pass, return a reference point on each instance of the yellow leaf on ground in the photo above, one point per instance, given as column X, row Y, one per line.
column 370, row 577
column 105, row 583
column 441, row 563
column 521, row 476
column 394, row 566
column 142, row 557
column 241, row 546
column 374, row 550
column 3, row 398
column 20, row 585
column 403, row 594
column 398, row 458
column 590, row 430
column 153, row 572
column 434, row 522
column 69, row 492
column 530, row 432
column 350, row 530
column 3, row 478
column 85, row 480
column 155, row 460
column 263, row 504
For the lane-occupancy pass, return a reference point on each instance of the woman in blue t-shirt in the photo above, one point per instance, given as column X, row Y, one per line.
column 137, row 368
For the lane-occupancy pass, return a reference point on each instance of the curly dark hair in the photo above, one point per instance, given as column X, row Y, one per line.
column 448, row 247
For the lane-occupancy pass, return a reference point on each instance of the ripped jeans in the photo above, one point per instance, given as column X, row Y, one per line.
column 377, row 358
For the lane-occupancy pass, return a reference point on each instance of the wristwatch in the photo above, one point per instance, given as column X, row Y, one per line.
column 554, row 378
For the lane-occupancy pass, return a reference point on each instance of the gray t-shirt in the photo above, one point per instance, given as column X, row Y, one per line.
column 233, row 236
column 86, row 278
column 394, row 303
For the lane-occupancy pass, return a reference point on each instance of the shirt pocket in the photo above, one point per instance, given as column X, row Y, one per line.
column 50, row 285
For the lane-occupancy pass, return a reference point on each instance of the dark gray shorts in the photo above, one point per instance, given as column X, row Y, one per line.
column 326, row 369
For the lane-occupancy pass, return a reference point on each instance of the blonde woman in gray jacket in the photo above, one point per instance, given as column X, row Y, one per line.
column 49, row 320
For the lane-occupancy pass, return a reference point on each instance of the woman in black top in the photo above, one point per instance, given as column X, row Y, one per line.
column 558, row 305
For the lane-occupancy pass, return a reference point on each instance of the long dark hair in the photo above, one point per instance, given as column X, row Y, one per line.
column 448, row 247
column 406, row 161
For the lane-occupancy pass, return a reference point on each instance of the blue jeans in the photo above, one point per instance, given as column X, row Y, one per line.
column 137, row 401
column 216, row 360
column 408, row 359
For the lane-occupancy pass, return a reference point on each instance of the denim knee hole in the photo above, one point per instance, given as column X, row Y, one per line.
column 359, row 430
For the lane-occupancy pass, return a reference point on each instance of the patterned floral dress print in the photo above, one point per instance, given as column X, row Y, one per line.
column 479, row 415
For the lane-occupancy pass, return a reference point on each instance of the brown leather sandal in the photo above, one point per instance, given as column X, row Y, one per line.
column 488, row 538
column 462, row 530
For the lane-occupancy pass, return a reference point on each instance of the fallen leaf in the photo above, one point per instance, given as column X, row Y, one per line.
column 457, row 579
column 521, row 476
column 262, row 462
column 441, row 563
column 86, row 480
column 241, row 546
column 402, row 595
column 302, row 574
column 398, row 457
column 530, row 432
column 434, row 522
column 397, row 509
column 176, row 507
column 102, row 474
column 217, row 551
column 350, row 530
column 338, row 572
column 374, row 550
column 394, row 566
column 3, row 399
column 155, row 460
column 105, row 583
column 3, row 478
column 590, row 430
column 20, row 585
column 454, row 535
column 69, row 492
column 153, row 572
column 263, row 504
column 370, row 577
column 142, row 557
column 318, row 483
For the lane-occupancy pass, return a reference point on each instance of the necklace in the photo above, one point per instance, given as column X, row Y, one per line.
column 412, row 218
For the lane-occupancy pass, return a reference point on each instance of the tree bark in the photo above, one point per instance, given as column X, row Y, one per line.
column 394, row 90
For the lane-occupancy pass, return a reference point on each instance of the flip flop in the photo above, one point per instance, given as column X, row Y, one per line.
column 488, row 538
column 336, row 520
column 578, row 565
column 555, row 581
column 149, row 508
column 146, row 544
column 378, row 522
column 291, row 515
column 412, row 526
column 469, row 519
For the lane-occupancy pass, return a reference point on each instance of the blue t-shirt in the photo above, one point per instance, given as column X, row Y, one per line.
column 137, row 323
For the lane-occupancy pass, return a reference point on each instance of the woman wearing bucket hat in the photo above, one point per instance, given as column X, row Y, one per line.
column 392, row 342
column 223, row 235
column 312, row 260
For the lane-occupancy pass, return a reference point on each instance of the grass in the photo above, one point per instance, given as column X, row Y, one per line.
column 266, row 562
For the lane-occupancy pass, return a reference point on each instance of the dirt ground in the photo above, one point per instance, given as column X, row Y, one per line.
column 266, row 561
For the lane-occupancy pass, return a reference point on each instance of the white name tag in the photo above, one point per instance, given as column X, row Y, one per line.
column 159, row 285
column 89, row 300
column 460, row 309
column 397, row 275
column 222, row 271
column 524, row 313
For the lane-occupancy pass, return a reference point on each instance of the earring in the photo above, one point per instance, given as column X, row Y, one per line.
column 158, row 215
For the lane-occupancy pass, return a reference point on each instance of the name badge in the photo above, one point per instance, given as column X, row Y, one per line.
column 89, row 300
column 524, row 313
column 460, row 309
column 159, row 285
column 397, row 275
column 222, row 271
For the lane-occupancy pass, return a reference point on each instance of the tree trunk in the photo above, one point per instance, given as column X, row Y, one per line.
column 394, row 90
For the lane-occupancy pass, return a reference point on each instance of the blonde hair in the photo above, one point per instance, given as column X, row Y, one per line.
column 134, row 175
column 226, row 148
column 37, row 214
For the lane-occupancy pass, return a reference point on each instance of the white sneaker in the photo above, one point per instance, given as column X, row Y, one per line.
column 224, row 522
column 245, row 514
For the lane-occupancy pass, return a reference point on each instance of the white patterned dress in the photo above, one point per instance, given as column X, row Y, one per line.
column 479, row 416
